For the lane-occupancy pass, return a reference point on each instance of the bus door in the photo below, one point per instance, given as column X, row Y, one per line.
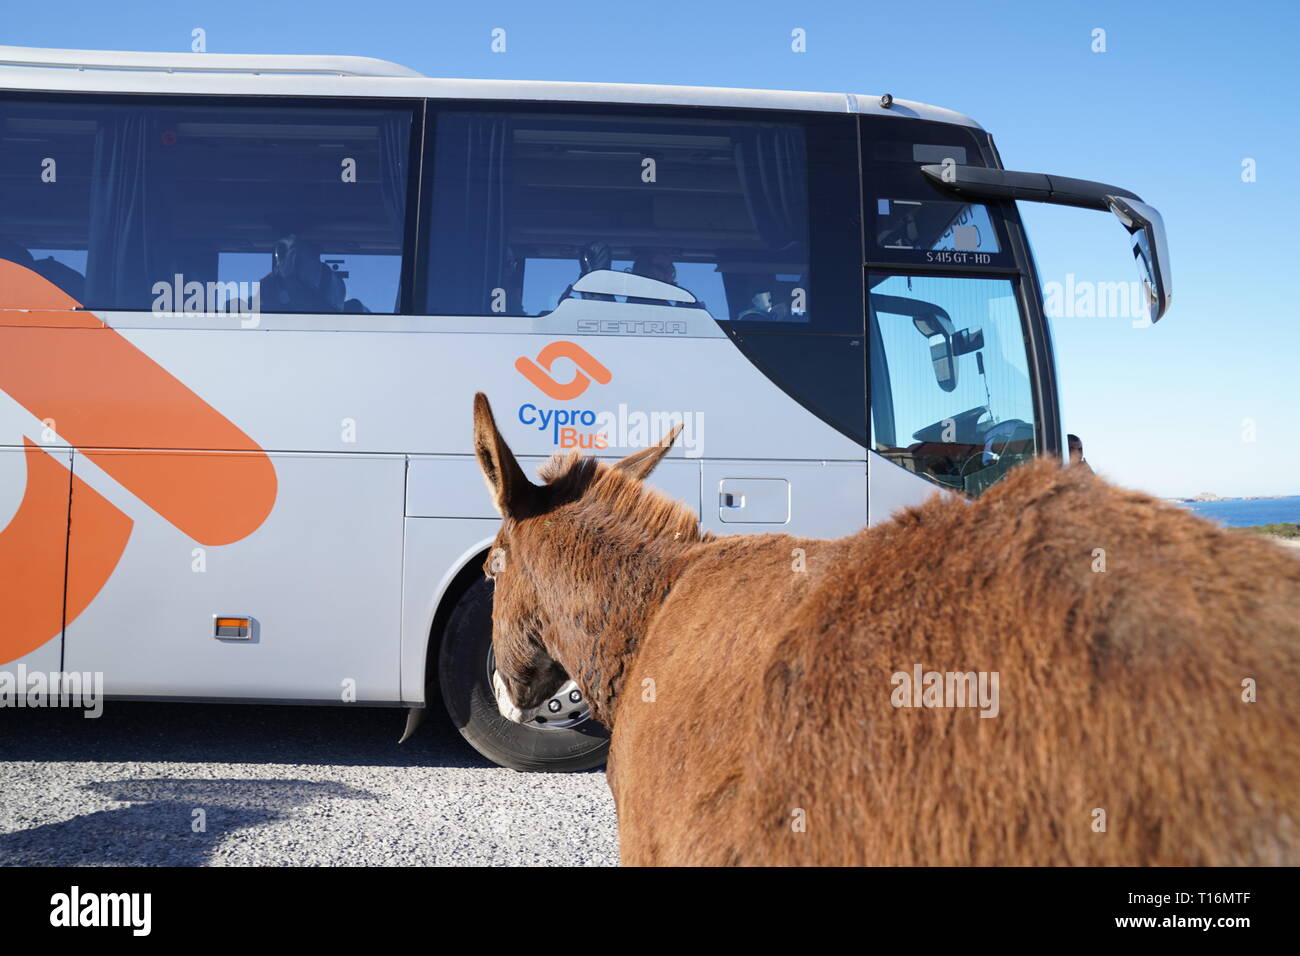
column 952, row 402
column 34, row 488
column 265, row 575
column 952, row 385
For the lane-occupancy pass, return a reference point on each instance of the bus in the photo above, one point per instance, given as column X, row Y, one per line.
column 245, row 302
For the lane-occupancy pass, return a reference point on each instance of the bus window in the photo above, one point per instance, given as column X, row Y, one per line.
column 950, row 391
column 909, row 219
column 523, row 204
column 543, row 276
column 930, row 225
column 307, row 202
column 46, row 158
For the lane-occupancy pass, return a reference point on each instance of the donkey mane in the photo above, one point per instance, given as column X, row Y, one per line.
column 598, row 485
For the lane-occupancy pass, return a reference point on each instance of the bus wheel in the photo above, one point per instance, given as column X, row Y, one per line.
column 573, row 741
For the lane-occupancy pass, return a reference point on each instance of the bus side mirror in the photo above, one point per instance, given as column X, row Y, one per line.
column 1150, row 246
column 1150, row 249
column 938, row 331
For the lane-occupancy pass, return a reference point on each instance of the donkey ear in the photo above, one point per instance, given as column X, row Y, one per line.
column 639, row 464
column 512, row 492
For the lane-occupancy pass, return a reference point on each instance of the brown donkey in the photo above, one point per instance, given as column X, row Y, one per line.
column 1134, row 671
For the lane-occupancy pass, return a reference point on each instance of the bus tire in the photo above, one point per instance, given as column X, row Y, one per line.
column 466, row 686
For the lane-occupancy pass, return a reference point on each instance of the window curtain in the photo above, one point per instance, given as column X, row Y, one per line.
column 471, row 184
column 394, row 160
column 772, row 164
column 128, row 248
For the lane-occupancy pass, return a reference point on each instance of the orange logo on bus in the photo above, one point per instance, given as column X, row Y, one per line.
column 563, row 391
column 121, row 409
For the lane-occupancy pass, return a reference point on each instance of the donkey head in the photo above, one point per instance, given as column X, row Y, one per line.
column 527, row 618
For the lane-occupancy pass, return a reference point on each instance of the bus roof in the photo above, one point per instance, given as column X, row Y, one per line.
column 239, row 74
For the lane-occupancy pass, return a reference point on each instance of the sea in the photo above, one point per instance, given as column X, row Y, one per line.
column 1242, row 512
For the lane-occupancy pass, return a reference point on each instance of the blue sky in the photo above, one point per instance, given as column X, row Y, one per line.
column 1204, row 401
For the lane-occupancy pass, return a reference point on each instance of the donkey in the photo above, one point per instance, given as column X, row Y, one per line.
column 784, row 700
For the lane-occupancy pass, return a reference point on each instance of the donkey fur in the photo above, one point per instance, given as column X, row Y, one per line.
column 748, row 689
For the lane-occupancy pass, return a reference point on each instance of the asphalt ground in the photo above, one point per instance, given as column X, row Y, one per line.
column 250, row 785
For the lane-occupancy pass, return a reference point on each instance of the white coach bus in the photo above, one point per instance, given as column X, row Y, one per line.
column 245, row 302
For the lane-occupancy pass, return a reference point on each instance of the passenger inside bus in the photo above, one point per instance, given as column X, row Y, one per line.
column 300, row 282
column 658, row 265
column 653, row 264
column 776, row 303
column 13, row 252
column 65, row 277
column 593, row 257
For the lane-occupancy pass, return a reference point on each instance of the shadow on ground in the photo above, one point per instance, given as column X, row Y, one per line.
column 167, row 821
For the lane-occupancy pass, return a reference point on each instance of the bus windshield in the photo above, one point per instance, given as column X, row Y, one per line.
column 951, row 398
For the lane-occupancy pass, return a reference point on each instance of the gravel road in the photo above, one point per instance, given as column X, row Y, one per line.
column 280, row 786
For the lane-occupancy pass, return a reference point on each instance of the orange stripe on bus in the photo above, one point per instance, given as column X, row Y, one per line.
column 31, row 558
column 101, row 391
column 32, row 548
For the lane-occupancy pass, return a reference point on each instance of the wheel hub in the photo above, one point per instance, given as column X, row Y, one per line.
column 564, row 709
